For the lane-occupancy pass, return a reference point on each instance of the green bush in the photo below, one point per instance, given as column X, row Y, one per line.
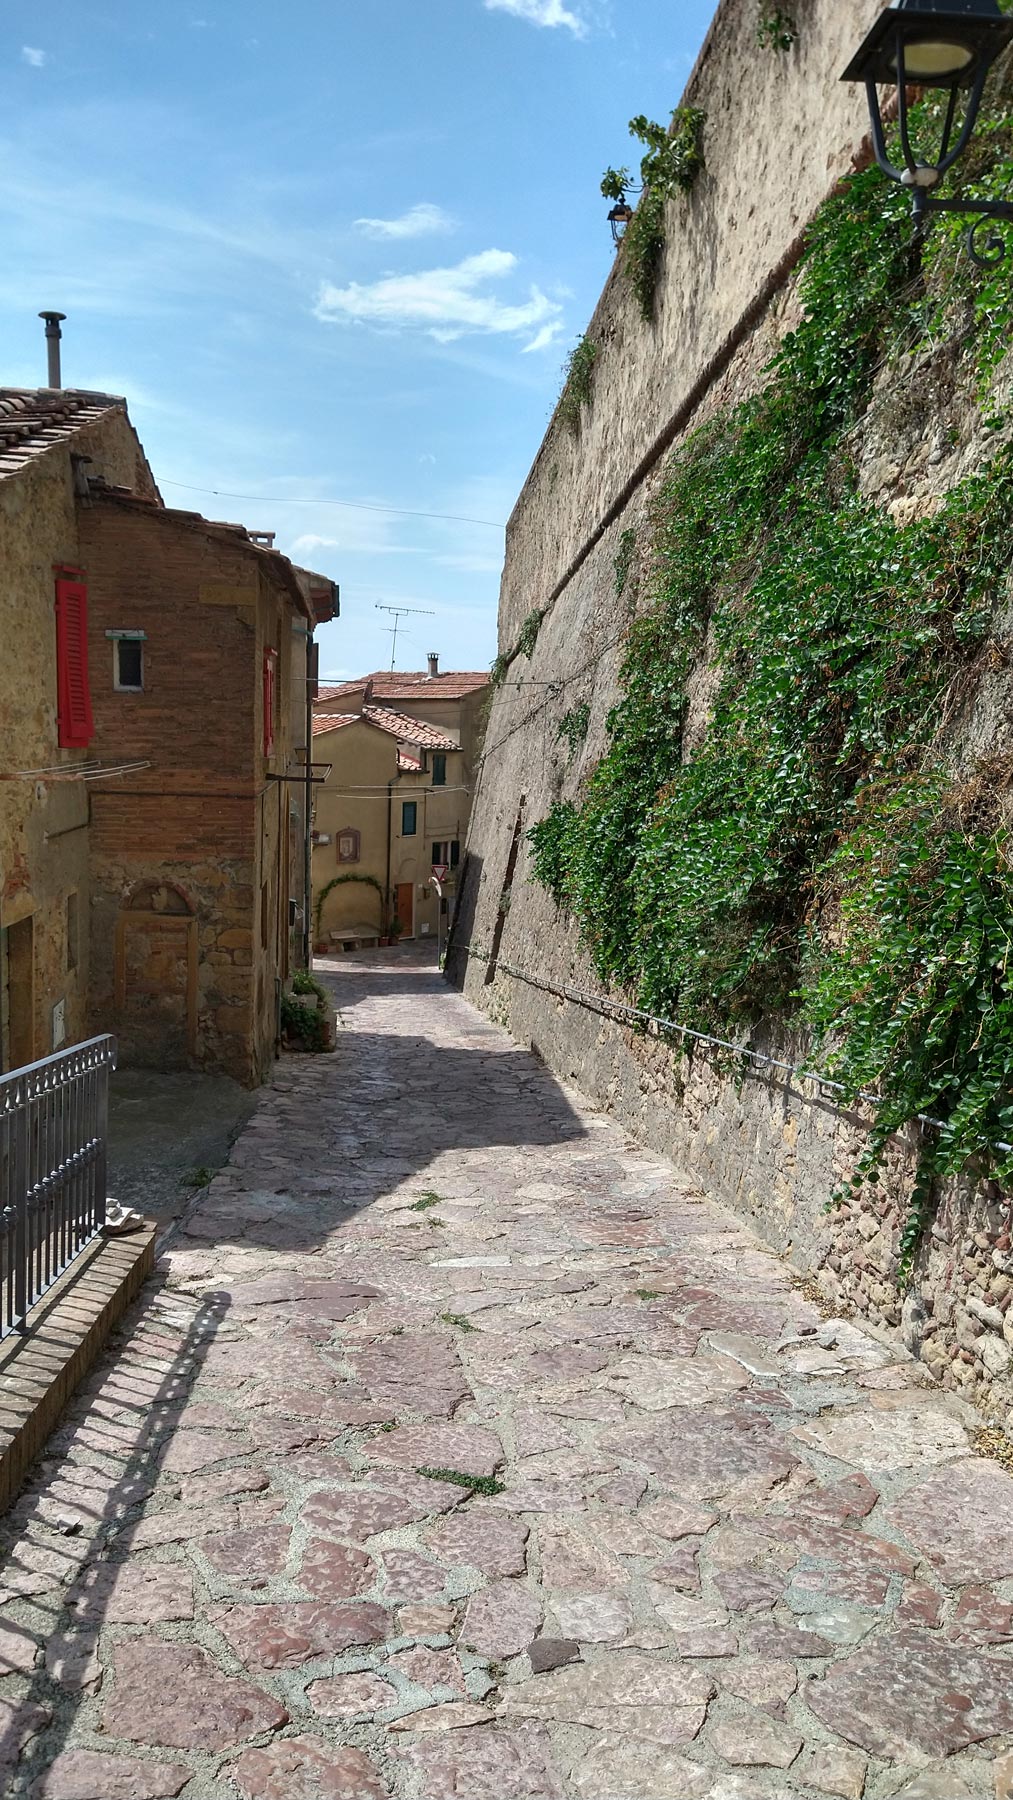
column 303, row 1023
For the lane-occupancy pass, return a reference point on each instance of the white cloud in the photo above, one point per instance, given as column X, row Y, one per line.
column 446, row 303
column 545, row 337
column 424, row 220
column 540, row 12
column 34, row 58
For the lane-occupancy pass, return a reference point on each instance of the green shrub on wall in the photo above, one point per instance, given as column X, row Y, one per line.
column 775, row 29
column 815, row 859
column 577, row 373
column 527, row 638
column 672, row 160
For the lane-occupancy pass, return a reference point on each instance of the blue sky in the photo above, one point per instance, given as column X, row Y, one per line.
column 329, row 251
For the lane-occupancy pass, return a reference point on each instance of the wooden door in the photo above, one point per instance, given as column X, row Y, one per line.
column 404, row 906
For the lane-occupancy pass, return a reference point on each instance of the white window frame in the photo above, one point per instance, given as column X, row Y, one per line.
column 130, row 637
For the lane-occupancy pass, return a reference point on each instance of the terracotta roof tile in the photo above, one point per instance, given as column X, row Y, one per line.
column 409, row 731
column 34, row 419
column 332, row 721
column 412, row 685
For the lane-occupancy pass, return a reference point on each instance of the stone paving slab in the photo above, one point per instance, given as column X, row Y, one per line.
column 460, row 1451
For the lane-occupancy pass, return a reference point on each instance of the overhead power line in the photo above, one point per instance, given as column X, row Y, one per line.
column 402, row 512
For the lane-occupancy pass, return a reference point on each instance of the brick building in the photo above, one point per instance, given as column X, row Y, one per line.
column 153, row 813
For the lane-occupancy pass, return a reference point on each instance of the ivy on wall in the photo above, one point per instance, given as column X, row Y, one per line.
column 527, row 638
column 573, row 725
column 815, row 859
column 340, row 881
column 672, row 160
column 775, row 29
column 577, row 373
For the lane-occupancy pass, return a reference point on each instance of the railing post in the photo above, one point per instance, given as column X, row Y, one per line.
column 20, row 1198
column 54, row 1119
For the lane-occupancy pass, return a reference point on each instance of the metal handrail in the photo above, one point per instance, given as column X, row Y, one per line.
column 619, row 1012
column 53, row 1132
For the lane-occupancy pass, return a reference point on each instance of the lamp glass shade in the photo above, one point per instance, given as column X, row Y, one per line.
column 944, row 46
column 929, row 58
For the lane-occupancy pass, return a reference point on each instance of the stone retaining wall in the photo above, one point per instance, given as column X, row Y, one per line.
column 772, row 1146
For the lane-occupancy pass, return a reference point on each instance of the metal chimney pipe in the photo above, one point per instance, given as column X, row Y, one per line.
column 434, row 664
column 53, row 335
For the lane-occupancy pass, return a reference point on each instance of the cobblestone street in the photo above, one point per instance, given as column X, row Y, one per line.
column 459, row 1451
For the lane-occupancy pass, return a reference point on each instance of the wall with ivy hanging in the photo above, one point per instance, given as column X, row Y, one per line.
column 770, row 798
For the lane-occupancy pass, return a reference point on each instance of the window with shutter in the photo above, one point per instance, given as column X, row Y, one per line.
column 270, row 670
column 73, row 695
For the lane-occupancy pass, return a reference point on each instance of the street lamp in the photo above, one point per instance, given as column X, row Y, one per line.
column 619, row 218
column 919, row 43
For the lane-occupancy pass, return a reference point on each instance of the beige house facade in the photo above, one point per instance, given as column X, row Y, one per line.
column 400, row 753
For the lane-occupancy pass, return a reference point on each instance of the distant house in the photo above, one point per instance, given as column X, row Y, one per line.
column 153, row 725
column 402, row 751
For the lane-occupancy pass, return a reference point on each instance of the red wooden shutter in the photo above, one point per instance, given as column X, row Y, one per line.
column 270, row 666
column 73, row 695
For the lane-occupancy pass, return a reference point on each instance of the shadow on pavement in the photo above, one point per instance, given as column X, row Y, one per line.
column 347, row 1129
column 98, row 1469
column 168, row 1134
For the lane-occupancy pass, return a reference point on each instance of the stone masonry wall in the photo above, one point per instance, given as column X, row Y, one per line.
column 772, row 1145
column 43, row 822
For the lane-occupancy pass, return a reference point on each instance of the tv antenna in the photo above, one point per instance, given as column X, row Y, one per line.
column 401, row 612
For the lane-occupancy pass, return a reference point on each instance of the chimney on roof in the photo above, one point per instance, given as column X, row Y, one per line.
column 53, row 335
column 434, row 664
column 263, row 539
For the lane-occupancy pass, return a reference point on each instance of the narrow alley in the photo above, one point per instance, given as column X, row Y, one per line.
column 459, row 1452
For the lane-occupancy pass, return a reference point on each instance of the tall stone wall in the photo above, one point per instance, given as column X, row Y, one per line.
column 780, row 132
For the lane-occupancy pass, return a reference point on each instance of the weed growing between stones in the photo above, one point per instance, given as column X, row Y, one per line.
column 811, row 860
column 428, row 1197
column 478, row 1484
column 458, row 1320
column 775, row 30
column 527, row 638
column 578, row 371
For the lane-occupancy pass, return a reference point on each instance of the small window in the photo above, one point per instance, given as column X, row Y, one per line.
column 409, row 817
column 128, row 665
column 72, row 928
column 348, row 846
column 439, row 771
column 455, row 852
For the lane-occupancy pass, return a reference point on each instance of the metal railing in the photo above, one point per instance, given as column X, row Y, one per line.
column 53, row 1127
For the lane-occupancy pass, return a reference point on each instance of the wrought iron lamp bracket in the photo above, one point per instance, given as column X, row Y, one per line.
column 986, row 251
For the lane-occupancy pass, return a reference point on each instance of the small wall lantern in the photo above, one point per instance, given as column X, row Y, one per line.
column 619, row 218
column 919, row 43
